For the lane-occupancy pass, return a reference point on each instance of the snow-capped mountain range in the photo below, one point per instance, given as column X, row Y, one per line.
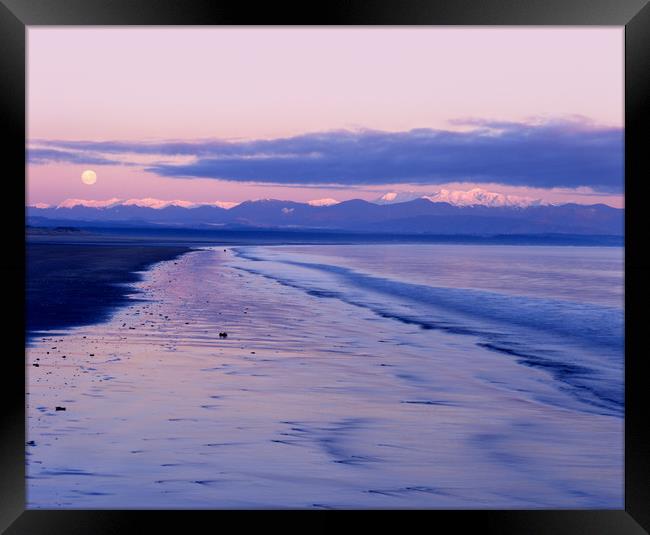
column 472, row 197
column 475, row 212
column 147, row 202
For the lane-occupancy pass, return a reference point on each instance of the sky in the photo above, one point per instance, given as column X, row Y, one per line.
column 223, row 113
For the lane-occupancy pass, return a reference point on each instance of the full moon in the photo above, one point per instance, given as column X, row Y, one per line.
column 89, row 177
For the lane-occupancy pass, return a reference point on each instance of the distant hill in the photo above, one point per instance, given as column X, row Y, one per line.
column 418, row 216
column 51, row 231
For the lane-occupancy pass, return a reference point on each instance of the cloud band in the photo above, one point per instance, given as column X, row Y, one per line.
column 568, row 153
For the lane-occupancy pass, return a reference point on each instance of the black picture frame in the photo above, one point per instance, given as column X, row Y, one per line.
column 16, row 15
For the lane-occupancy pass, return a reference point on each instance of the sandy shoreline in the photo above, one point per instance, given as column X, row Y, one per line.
column 309, row 402
column 80, row 284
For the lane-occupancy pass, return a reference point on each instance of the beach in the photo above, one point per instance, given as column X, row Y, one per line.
column 351, row 376
column 80, row 283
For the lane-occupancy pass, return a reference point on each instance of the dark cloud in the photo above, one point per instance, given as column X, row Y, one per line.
column 568, row 153
column 119, row 147
column 43, row 156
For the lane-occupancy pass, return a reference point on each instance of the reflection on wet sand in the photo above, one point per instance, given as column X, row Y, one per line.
column 308, row 402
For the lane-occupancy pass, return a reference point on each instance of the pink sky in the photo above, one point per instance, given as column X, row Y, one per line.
column 137, row 84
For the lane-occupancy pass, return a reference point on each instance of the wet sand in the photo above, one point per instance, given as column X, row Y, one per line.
column 309, row 402
column 79, row 284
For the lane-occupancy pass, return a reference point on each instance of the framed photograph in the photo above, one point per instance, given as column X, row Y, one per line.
column 354, row 257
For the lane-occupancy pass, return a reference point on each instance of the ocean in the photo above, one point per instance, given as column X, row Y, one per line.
column 352, row 375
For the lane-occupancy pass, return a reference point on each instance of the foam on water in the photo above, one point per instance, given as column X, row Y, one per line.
column 579, row 343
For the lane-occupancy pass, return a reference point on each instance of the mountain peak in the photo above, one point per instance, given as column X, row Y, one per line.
column 323, row 202
column 398, row 196
column 479, row 196
column 149, row 202
column 471, row 197
column 71, row 203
